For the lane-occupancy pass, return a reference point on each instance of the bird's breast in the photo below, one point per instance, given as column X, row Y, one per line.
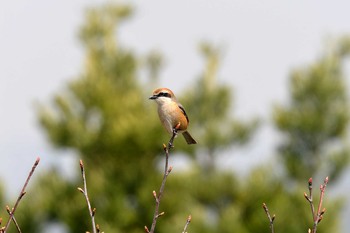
column 170, row 115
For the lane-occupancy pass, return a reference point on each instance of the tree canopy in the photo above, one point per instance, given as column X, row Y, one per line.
column 315, row 121
column 104, row 116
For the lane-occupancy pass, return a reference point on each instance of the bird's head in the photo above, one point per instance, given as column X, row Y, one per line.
column 162, row 95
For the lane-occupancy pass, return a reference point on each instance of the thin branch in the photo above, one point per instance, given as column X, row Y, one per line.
column 271, row 219
column 167, row 171
column 13, row 219
column 85, row 193
column 189, row 218
column 310, row 199
column 316, row 217
column 22, row 193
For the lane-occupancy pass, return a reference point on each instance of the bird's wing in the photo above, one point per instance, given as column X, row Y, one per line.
column 184, row 112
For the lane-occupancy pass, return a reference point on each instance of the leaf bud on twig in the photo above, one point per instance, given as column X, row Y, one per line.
column 310, row 181
column 146, row 229
column 326, row 180
column 319, row 219
column 81, row 165
column 189, row 218
column 160, row 214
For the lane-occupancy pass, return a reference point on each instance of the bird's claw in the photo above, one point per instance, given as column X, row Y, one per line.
column 174, row 132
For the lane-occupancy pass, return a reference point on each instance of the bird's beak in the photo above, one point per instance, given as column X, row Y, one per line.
column 153, row 97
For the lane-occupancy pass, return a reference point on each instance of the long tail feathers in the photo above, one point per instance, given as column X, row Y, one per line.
column 189, row 139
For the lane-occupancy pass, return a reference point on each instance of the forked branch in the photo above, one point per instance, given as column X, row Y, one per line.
column 20, row 196
column 95, row 228
column 271, row 219
column 316, row 216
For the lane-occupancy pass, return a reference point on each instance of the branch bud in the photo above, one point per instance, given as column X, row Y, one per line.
column 189, row 218
column 154, row 194
column 81, row 165
column 310, row 182
column 22, row 194
column 326, row 181
column 319, row 219
column 146, row 229
column 37, row 161
column 8, row 209
column 160, row 214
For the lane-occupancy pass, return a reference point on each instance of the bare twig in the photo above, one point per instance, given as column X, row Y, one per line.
column 167, row 171
column 189, row 218
column 84, row 191
column 316, row 217
column 271, row 219
column 21, row 194
column 309, row 198
column 13, row 219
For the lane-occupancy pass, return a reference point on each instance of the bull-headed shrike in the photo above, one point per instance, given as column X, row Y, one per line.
column 171, row 113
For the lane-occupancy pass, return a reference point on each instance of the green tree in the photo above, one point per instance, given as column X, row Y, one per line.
column 209, row 105
column 103, row 115
column 219, row 200
column 315, row 121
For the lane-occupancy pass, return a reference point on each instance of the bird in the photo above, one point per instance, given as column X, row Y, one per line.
column 171, row 113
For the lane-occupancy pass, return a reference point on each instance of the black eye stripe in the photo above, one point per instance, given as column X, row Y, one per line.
column 165, row 94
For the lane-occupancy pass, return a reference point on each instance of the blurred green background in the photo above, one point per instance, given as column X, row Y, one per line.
column 102, row 115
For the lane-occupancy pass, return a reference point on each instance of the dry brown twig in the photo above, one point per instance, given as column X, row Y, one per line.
column 316, row 216
column 189, row 218
column 271, row 219
column 167, row 171
column 20, row 196
column 13, row 218
column 95, row 228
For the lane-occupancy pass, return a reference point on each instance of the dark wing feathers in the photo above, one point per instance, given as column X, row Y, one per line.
column 183, row 110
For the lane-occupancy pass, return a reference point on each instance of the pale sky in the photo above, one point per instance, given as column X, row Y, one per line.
column 262, row 41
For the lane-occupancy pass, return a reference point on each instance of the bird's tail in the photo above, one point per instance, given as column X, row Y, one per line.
column 189, row 139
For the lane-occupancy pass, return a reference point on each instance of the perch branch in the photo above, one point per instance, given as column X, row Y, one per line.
column 167, row 171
